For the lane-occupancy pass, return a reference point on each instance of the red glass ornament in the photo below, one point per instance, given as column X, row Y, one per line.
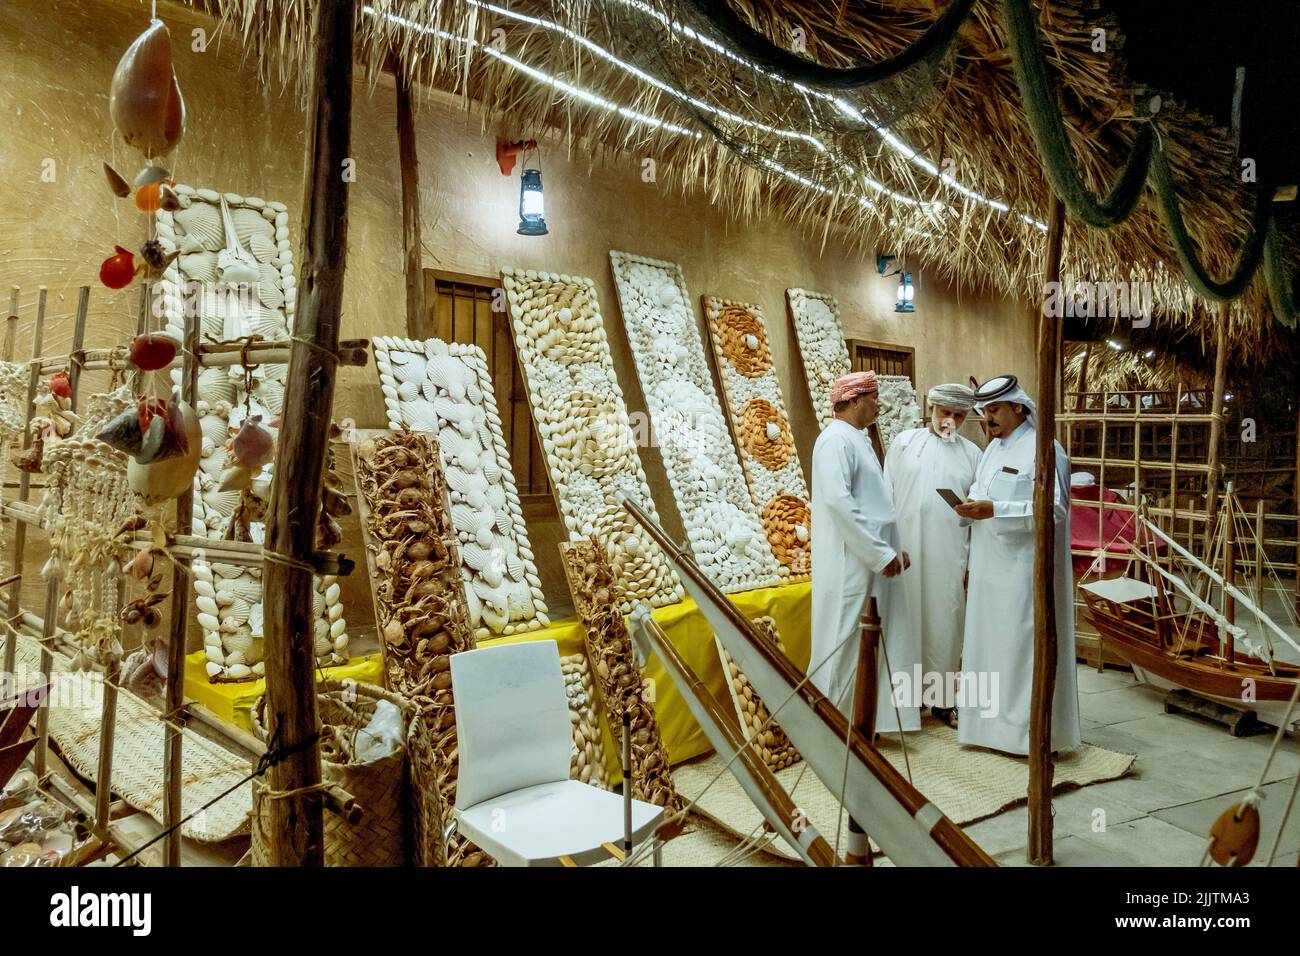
column 118, row 269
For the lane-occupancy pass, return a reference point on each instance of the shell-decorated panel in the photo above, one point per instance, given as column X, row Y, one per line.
column 822, row 348
column 708, row 482
column 581, row 418
column 239, row 282
column 756, row 411
column 445, row 388
column 898, row 407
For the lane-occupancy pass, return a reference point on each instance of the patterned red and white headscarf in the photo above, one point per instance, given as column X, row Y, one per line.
column 850, row 386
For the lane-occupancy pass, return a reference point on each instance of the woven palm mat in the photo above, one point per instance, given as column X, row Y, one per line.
column 75, row 701
column 966, row 783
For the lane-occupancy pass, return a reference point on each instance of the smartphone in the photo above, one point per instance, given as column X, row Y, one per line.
column 950, row 496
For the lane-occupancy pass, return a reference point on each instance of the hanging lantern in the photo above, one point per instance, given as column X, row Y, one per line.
column 906, row 293
column 532, row 222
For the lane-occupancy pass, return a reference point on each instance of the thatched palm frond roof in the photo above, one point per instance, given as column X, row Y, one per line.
column 631, row 77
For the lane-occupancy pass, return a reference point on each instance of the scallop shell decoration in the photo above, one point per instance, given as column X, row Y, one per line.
column 825, row 355
column 446, row 388
column 591, row 452
column 704, row 471
column 232, row 635
column 758, row 419
column 898, row 407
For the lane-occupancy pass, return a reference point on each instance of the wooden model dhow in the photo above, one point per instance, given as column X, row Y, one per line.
column 909, row 829
column 1175, row 638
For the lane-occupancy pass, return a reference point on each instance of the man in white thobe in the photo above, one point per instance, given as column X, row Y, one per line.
column 920, row 462
column 856, row 555
column 999, row 637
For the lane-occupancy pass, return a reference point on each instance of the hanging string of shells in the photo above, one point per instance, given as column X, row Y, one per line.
column 758, row 419
column 446, row 389
column 591, row 450
column 420, row 607
column 232, row 271
column 708, row 484
column 825, row 355
column 767, row 739
column 88, row 509
column 622, row 685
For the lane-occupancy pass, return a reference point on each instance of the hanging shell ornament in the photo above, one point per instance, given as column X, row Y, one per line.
column 118, row 270
column 253, row 446
column 152, row 351
column 167, row 478
column 121, row 188
column 144, row 99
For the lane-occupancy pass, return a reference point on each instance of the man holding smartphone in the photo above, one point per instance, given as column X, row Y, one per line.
column 857, row 555
column 999, row 632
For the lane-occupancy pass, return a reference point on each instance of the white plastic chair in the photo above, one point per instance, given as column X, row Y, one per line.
column 514, row 797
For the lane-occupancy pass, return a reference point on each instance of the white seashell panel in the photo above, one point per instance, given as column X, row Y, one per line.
column 761, row 428
column 234, row 645
column 822, row 348
column 725, row 532
column 446, row 388
column 898, row 407
column 591, row 452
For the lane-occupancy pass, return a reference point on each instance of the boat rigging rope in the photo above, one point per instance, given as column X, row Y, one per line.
column 640, row 852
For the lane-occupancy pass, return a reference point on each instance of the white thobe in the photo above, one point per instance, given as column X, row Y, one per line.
column 999, row 637
column 854, row 537
column 919, row 463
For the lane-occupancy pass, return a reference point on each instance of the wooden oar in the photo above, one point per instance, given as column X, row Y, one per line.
column 903, row 823
column 754, row 776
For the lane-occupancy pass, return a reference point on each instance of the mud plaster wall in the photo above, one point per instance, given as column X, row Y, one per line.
column 58, row 59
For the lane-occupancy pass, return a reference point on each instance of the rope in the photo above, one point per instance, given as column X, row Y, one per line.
column 276, row 558
column 1050, row 135
column 756, row 47
column 273, row 756
column 1280, row 289
column 1248, row 259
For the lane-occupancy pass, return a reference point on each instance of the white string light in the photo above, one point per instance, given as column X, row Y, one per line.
column 593, row 99
column 848, row 109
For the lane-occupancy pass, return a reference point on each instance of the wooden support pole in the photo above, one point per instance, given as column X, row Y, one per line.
column 24, row 484
column 11, row 327
column 177, row 634
column 1039, row 848
column 409, row 161
column 1215, row 473
column 287, row 582
column 864, row 717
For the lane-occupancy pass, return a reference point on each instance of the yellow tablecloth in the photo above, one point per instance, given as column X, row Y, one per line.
column 789, row 605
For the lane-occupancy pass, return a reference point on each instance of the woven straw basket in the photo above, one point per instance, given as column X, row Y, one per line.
column 402, row 807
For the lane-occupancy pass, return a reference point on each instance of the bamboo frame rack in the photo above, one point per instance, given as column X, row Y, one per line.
column 107, row 835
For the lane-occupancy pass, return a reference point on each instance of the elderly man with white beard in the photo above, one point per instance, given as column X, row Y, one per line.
column 999, row 638
column 920, row 465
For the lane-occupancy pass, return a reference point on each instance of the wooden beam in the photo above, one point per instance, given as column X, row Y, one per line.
column 295, row 824
column 409, row 161
column 1214, row 468
column 1039, row 848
